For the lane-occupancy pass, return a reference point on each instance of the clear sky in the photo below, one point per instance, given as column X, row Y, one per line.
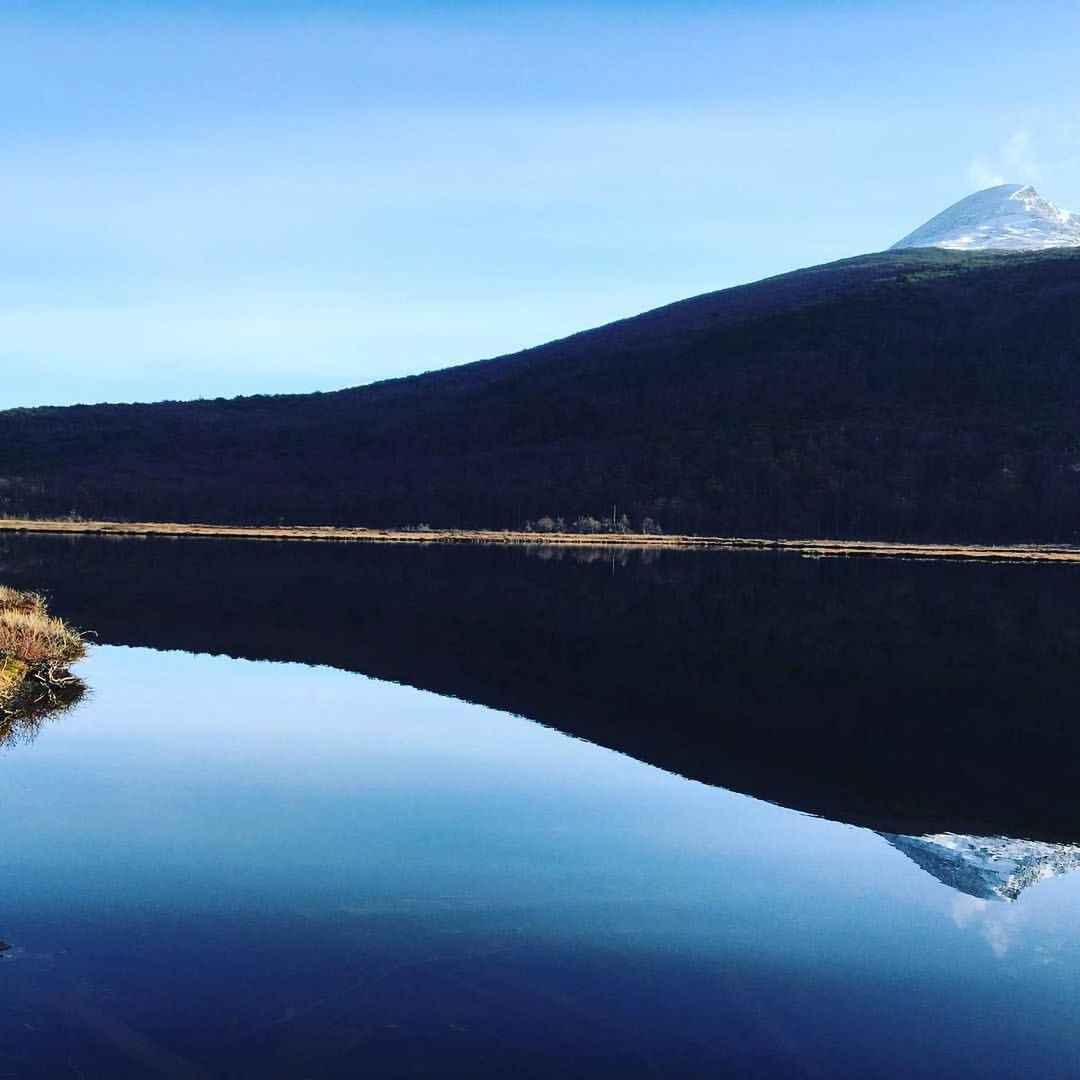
column 204, row 200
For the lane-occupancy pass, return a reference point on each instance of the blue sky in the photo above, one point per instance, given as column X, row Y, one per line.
column 203, row 200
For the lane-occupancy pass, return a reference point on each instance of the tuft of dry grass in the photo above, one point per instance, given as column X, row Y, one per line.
column 30, row 635
column 35, row 651
column 36, row 637
column 13, row 600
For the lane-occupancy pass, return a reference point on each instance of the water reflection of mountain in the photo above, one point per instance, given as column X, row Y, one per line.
column 987, row 867
column 903, row 696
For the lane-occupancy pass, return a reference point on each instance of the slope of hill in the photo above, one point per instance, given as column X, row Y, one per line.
column 919, row 394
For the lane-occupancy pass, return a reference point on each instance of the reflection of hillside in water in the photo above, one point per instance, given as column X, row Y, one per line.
column 987, row 867
column 898, row 695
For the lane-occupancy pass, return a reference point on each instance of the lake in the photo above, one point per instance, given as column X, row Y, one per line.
column 337, row 811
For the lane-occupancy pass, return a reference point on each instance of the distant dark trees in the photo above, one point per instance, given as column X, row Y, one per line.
column 920, row 395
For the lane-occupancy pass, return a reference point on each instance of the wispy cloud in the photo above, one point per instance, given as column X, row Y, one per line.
column 1013, row 162
column 995, row 923
column 983, row 175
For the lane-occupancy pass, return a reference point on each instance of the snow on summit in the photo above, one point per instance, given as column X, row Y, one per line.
column 987, row 867
column 1010, row 217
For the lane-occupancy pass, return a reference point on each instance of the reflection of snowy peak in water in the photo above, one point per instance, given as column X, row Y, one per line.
column 987, row 867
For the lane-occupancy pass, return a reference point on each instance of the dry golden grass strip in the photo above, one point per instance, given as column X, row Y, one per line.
column 1028, row 553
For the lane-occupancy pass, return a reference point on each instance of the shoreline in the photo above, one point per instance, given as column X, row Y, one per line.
column 520, row 538
column 37, row 650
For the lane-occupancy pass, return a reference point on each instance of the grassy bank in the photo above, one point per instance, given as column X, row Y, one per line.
column 343, row 534
column 36, row 652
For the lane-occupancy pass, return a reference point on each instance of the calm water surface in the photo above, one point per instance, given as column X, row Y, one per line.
column 223, row 867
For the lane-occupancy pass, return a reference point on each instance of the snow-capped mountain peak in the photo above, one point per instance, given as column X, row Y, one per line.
column 1010, row 217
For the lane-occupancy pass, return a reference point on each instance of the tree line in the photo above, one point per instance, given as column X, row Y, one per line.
column 913, row 395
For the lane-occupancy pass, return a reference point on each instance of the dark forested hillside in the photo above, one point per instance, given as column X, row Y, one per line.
column 919, row 394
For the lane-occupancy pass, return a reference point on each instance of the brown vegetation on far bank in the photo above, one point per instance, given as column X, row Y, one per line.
column 424, row 534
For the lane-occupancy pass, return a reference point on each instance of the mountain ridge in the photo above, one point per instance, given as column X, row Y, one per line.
column 915, row 394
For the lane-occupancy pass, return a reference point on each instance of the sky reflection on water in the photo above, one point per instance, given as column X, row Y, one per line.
column 247, row 868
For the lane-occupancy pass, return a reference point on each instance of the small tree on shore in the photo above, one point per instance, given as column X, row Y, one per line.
column 588, row 524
